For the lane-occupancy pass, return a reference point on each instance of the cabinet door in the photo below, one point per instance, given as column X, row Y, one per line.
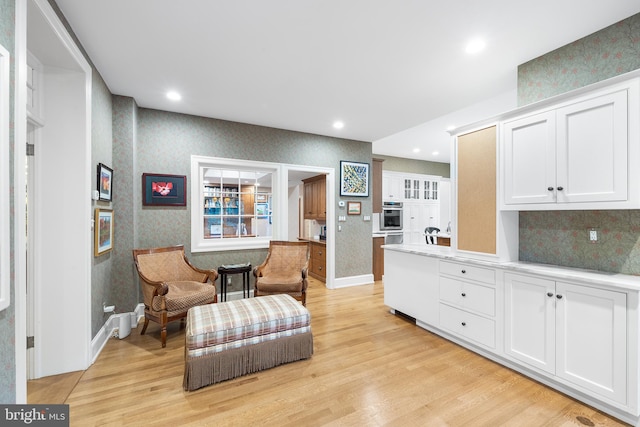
column 310, row 201
column 431, row 190
column 392, row 187
column 591, row 328
column 320, row 189
column 529, row 147
column 592, row 150
column 417, row 217
column 530, row 321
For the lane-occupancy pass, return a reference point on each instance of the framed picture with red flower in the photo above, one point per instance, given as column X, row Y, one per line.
column 164, row 190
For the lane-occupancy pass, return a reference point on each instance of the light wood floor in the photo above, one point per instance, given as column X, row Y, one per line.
column 370, row 368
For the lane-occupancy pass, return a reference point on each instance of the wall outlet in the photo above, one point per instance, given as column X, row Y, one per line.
column 593, row 235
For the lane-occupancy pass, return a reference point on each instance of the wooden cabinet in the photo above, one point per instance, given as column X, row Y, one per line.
column 315, row 198
column 576, row 333
column 318, row 261
column 378, row 258
column 376, row 184
column 468, row 306
column 571, row 156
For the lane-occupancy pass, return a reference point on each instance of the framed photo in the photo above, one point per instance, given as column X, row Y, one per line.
column 105, row 182
column 103, row 226
column 164, row 190
column 354, row 179
column 353, row 208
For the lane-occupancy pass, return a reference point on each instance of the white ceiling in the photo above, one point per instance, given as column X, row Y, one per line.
column 395, row 72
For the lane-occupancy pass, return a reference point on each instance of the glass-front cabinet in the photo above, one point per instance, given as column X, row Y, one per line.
column 411, row 189
column 431, row 190
column 237, row 204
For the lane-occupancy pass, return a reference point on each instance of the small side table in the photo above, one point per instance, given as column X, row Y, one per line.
column 225, row 270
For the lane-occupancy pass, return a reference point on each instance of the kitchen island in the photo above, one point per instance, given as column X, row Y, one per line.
column 572, row 329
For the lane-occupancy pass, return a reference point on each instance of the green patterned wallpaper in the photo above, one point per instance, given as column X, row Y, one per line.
column 560, row 238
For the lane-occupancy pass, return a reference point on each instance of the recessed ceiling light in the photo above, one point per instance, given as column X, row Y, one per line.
column 475, row 46
column 435, row 153
column 452, row 127
column 338, row 124
column 416, row 150
column 174, row 96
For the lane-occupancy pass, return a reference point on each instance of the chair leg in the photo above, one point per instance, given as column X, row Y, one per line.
column 304, row 299
column 163, row 336
column 144, row 327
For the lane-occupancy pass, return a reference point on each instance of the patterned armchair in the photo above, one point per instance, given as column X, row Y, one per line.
column 284, row 271
column 171, row 285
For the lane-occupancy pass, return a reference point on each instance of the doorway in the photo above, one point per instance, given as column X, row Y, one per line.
column 56, row 243
column 294, row 218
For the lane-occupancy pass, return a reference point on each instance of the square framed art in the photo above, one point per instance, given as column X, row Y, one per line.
column 353, row 208
column 354, row 179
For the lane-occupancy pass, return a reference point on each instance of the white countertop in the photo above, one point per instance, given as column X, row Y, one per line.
column 600, row 278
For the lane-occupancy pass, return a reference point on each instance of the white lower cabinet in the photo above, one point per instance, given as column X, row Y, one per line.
column 468, row 302
column 411, row 285
column 573, row 332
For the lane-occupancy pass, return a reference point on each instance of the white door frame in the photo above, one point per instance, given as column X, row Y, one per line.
column 62, row 295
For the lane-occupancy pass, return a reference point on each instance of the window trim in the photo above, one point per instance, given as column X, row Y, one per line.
column 198, row 242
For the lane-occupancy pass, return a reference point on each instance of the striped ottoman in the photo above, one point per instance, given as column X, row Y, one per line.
column 234, row 338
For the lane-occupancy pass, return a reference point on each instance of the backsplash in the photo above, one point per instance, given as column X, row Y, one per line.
column 561, row 237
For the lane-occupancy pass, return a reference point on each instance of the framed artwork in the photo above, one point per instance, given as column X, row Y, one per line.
column 105, row 182
column 164, row 190
column 353, row 208
column 354, row 179
column 103, row 226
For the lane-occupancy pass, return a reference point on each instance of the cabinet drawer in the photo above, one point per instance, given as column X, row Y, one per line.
column 470, row 296
column 468, row 325
column 468, row 272
column 318, row 253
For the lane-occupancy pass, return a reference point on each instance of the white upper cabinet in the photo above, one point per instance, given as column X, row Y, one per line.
column 392, row 187
column 410, row 187
column 530, row 159
column 575, row 154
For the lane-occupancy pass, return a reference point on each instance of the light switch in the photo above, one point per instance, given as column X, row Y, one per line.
column 342, row 218
column 366, row 218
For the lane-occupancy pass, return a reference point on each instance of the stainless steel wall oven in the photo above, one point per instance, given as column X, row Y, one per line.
column 391, row 216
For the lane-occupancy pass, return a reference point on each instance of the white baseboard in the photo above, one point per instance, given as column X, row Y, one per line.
column 344, row 282
column 110, row 329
